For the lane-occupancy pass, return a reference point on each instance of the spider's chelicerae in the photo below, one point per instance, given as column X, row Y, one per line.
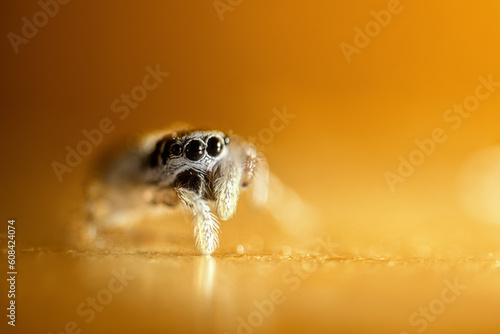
column 204, row 170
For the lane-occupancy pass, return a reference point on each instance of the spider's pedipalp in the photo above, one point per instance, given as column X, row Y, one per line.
column 227, row 190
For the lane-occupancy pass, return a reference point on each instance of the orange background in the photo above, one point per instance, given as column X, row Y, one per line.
column 352, row 120
column 392, row 251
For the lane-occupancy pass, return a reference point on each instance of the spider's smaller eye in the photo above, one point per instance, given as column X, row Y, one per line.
column 195, row 150
column 214, row 146
column 176, row 149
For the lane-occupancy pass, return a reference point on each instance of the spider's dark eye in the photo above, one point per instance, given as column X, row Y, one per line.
column 194, row 150
column 165, row 147
column 214, row 146
column 176, row 149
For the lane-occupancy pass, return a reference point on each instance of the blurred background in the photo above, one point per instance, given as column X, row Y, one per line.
column 361, row 92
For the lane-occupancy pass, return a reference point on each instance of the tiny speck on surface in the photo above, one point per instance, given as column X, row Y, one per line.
column 287, row 250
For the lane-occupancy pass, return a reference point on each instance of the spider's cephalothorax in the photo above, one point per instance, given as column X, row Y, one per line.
column 200, row 167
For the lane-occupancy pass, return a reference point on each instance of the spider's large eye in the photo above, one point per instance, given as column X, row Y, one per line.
column 214, row 146
column 194, row 150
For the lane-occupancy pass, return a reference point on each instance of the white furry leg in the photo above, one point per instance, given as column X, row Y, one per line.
column 227, row 190
column 261, row 184
column 206, row 227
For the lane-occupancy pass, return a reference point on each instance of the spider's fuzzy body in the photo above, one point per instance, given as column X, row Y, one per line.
column 199, row 168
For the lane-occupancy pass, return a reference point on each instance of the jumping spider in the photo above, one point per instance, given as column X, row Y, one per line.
column 203, row 169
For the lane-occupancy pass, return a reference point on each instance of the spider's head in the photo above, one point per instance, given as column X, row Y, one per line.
column 197, row 151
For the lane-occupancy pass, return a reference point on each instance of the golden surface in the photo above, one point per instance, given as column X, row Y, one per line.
column 187, row 293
